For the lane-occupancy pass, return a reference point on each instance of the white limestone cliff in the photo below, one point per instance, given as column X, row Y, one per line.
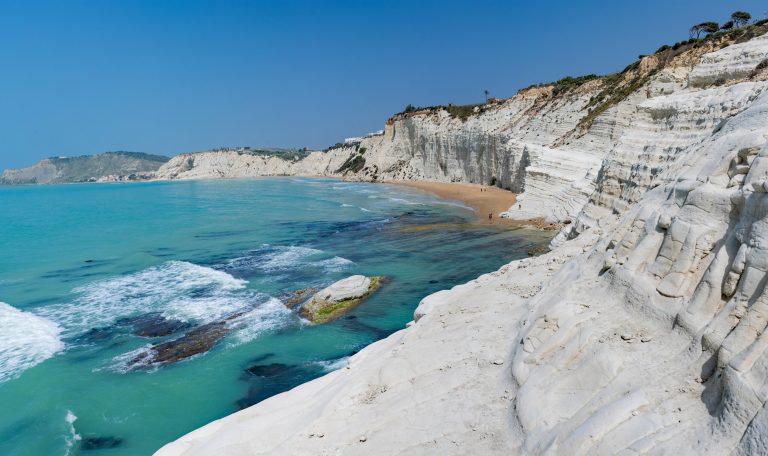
column 645, row 331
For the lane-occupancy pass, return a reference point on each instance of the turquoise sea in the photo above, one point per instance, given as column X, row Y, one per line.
column 91, row 276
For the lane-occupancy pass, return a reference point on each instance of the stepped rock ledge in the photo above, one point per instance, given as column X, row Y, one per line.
column 642, row 332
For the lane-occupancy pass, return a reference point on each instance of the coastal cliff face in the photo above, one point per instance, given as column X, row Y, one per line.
column 508, row 143
column 573, row 152
column 645, row 331
column 87, row 168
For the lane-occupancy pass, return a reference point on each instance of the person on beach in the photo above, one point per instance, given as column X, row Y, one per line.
column 490, row 216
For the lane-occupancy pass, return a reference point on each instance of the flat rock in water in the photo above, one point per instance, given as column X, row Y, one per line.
column 339, row 298
column 199, row 340
column 194, row 342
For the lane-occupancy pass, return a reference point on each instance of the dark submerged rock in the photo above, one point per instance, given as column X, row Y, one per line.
column 357, row 326
column 262, row 358
column 96, row 335
column 153, row 324
column 100, row 443
column 269, row 370
column 270, row 379
column 266, row 380
column 161, row 329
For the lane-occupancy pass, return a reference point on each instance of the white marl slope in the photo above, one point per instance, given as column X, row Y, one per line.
column 643, row 332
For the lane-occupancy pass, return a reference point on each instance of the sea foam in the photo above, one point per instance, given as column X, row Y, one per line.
column 331, row 365
column 269, row 315
column 25, row 341
column 72, row 436
column 280, row 259
column 178, row 289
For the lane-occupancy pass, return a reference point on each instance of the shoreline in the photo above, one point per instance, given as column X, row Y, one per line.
column 359, row 409
column 491, row 200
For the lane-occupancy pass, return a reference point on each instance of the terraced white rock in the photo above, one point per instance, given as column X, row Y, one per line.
column 558, row 182
column 736, row 61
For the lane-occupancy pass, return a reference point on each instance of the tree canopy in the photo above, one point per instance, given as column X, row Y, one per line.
column 740, row 18
column 704, row 27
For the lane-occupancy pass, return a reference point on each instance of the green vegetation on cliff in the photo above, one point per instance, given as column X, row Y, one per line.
column 613, row 88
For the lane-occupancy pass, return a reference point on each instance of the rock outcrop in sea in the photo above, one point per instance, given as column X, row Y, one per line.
column 339, row 298
column 644, row 330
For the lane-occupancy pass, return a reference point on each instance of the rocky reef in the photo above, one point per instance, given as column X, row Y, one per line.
column 643, row 331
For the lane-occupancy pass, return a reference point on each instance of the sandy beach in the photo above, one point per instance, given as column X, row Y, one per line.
column 482, row 198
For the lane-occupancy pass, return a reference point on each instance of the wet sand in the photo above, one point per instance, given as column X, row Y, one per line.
column 482, row 198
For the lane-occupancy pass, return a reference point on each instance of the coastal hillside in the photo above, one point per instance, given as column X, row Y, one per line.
column 644, row 331
column 86, row 168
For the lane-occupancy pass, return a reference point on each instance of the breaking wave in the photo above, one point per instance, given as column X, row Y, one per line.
column 72, row 436
column 25, row 341
column 267, row 316
column 178, row 289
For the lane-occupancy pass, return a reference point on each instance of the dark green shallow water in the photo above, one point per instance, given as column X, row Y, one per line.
column 74, row 258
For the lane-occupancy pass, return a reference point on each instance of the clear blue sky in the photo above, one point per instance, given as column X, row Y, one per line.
column 82, row 77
